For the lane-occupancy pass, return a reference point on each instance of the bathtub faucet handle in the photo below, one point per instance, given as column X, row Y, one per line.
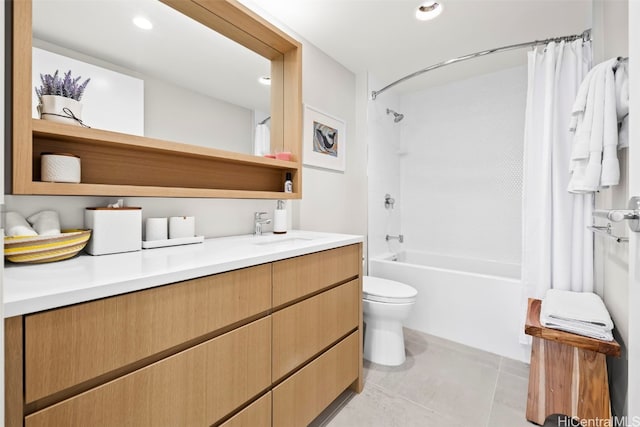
column 388, row 201
column 399, row 238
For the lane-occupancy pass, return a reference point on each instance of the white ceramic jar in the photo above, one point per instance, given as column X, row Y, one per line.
column 59, row 167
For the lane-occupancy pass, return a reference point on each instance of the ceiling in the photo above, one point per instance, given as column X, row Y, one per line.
column 384, row 38
column 381, row 37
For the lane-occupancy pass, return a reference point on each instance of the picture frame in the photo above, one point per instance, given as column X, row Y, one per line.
column 324, row 140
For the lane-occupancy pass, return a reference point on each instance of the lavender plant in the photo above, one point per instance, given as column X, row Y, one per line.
column 67, row 86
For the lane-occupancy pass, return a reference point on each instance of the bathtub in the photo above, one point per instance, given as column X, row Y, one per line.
column 470, row 301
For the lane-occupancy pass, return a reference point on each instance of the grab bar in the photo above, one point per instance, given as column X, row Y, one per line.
column 606, row 231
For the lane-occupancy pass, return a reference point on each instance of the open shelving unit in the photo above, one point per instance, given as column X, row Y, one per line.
column 120, row 164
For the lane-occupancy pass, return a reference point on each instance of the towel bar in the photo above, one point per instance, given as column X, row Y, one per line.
column 632, row 214
column 606, row 231
column 616, row 215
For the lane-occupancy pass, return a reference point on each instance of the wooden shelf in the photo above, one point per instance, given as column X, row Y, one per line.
column 117, row 164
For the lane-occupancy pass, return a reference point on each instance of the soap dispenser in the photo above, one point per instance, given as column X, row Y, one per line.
column 288, row 184
column 280, row 218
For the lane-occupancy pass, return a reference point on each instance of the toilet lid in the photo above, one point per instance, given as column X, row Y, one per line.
column 390, row 291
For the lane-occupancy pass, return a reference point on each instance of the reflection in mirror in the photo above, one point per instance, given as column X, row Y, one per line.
column 197, row 87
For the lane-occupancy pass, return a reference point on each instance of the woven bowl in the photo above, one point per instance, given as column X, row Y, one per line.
column 39, row 249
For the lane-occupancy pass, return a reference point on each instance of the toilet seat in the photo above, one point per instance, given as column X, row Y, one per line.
column 387, row 291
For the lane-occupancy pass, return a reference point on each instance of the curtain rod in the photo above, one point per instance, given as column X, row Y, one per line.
column 585, row 36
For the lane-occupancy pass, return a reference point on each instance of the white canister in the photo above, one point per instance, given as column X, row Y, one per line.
column 182, row 226
column 155, row 229
column 59, row 167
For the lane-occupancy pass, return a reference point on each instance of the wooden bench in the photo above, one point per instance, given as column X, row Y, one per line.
column 568, row 374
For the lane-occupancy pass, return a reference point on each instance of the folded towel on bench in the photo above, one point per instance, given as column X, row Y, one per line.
column 582, row 313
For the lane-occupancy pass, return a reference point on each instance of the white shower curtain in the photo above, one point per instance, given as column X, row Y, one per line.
column 557, row 247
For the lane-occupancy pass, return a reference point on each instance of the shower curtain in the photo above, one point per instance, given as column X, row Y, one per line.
column 557, row 247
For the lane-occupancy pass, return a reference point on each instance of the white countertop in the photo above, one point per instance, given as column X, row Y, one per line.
column 32, row 288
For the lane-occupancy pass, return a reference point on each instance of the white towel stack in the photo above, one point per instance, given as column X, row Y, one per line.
column 597, row 111
column 581, row 313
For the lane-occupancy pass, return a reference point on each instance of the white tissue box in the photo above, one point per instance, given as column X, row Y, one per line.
column 114, row 230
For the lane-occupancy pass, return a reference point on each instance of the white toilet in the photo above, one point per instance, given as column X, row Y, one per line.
column 386, row 304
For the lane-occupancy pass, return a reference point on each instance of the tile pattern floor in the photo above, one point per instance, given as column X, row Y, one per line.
column 442, row 383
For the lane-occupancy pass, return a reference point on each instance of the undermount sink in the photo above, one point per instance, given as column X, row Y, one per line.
column 282, row 240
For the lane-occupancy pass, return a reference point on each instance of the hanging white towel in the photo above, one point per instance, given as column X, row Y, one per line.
column 622, row 102
column 594, row 161
column 262, row 141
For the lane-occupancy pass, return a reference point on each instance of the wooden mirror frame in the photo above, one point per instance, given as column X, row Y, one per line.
column 117, row 164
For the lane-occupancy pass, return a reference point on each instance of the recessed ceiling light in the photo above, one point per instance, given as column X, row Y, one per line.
column 142, row 22
column 428, row 10
column 265, row 80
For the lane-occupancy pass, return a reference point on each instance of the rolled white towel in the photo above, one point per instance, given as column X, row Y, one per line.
column 16, row 225
column 46, row 223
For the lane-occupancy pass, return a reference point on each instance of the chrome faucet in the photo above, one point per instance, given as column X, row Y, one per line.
column 258, row 221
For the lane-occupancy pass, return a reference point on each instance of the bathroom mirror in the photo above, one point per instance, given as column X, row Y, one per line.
column 125, row 164
column 200, row 87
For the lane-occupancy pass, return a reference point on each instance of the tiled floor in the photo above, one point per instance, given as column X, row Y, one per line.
column 441, row 384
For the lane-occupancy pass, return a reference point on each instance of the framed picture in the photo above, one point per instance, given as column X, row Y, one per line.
column 324, row 140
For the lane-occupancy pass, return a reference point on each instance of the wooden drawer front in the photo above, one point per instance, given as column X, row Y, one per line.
column 258, row 414
column 195, row 387
column 306, row 328
column 296, row 277
column 67, row 346
column 301, row 398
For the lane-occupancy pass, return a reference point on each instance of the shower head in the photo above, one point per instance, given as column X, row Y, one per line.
column 396, row 116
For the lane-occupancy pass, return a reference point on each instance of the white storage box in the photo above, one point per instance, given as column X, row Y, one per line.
column 114, row 230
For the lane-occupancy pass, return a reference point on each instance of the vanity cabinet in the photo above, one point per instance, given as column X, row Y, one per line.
column 300, row 398
column 69, row 346
column 197, row 386
column 215, row 350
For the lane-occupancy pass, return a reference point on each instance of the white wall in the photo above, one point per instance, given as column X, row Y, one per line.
column 384, row 145
column 611, row 38
column 462, row 171
column 177, row 114
column 333, row 201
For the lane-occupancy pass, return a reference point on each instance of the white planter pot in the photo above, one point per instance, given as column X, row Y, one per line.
column 60, row 109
